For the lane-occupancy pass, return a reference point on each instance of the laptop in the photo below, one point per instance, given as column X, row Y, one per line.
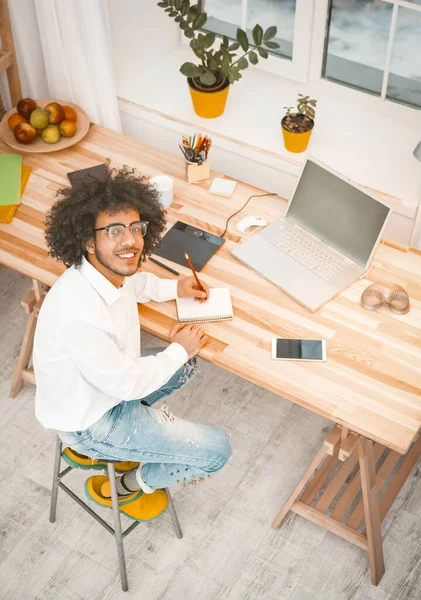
column 326, row 240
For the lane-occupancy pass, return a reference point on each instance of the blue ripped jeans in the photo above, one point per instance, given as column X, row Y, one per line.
column 173, row 450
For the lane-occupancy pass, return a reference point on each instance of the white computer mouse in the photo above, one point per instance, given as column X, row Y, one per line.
column 244, row 224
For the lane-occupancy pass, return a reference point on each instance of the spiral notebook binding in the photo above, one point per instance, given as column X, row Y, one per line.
column 206, row 319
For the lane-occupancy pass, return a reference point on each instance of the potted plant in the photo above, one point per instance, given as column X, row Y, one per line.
column 209, row 80
column 297, row 126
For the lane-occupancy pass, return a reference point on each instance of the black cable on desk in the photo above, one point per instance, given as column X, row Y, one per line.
column 236, row 213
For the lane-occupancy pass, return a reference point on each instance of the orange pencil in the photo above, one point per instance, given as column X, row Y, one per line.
column 194, row 272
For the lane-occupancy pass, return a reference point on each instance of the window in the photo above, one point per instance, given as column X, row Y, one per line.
column 370, row 45
column 293, row 19
column 375, row 46
column 225, row 16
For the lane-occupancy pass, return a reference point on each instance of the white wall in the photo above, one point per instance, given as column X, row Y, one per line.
column 142, row 33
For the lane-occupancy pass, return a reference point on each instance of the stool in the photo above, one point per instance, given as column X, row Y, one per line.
column 117, row 531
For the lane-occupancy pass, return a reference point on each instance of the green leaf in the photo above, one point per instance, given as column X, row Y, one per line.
column 234, row 46
column 253, row 58
column 242, row 39
column 209, row 39
column 225, row 61
column 313, row 102
column 257, row 35
column 270, row 33
column 168, row 10
column 190, row 70
column 234, row 75
column 225, row 41
column 189, row 33
column 263, row 53
column 207, row 78
column 184, row 25
column 177, row 4
column 178, row 18
column 163, row 4
column 200, row 42
column 200, row 20
column 193, row 12
column 243, row 63
column 185, row 5
column 271, row 45
column 173, row 13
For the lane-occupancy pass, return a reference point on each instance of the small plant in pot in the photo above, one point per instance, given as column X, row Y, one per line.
column 298, row 126
column 209, row 80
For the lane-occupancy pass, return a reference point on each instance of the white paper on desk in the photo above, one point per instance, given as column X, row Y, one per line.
column 218, row 307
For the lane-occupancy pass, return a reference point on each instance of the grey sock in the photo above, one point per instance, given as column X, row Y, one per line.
column 127, row 484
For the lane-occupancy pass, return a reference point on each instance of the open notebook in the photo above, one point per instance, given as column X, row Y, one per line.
column 217, row 308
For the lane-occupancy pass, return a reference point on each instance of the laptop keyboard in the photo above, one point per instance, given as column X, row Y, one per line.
column 310, row 254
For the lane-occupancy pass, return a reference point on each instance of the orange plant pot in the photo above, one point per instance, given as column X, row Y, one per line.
column 296, row 142
column 211, row 103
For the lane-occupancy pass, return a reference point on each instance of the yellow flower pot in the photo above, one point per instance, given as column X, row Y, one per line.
column 210, row 103
column 296, row 142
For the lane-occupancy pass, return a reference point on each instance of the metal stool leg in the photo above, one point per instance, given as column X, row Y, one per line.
column 117, row 526
column 54, row 491
column 174, row 517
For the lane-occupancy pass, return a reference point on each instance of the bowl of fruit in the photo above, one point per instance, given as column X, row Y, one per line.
column 43, row 125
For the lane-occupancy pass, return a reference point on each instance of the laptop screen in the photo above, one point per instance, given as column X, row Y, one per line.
column 337, row 212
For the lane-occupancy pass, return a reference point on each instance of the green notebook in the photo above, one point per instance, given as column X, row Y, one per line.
column 10, row 176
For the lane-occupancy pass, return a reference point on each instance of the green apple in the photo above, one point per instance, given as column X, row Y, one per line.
column 51, row 134
column 39, row 118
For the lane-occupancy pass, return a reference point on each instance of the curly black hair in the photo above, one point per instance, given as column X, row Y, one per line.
column 71, row 221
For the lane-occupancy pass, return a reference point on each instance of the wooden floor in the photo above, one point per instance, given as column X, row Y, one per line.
column 229, row 551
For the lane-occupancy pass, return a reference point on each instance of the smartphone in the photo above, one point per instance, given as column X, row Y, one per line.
column 287, row 349
column 97, row 172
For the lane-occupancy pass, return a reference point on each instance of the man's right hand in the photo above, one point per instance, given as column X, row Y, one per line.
column 191, row 337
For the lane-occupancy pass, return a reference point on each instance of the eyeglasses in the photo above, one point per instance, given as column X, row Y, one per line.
column 117, row 231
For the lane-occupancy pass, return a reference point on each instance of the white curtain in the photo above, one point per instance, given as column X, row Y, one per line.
column 64, row 53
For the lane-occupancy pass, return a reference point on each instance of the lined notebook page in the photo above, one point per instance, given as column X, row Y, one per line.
column 217, row 308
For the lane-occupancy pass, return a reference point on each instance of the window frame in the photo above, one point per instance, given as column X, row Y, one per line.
column 311, row 30
column 296, row 68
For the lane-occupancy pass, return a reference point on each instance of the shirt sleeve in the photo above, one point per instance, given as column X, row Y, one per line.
column 101, row 362
column 150, row 287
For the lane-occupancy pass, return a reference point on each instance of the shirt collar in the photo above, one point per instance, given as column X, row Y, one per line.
column 100, row 283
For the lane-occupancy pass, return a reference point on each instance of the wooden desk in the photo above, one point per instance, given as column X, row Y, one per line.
column 371, row 384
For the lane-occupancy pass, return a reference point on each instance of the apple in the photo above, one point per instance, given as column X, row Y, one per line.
column 39, row 118
column 51, row 134
column 67, row 128
column 24, row 133
column 25, row 106
column 69, row 113
column 55, row 112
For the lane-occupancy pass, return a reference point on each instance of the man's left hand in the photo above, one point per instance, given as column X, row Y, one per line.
column 187, row 287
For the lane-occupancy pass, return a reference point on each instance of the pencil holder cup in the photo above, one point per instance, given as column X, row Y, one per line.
column 196, row 173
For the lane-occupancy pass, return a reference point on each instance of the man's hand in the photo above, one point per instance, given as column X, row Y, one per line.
column 191, row 337
column 187, row 286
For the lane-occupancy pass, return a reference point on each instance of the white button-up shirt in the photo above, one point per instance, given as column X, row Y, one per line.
column 87, row 347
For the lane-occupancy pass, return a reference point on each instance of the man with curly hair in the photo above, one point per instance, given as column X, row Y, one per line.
column 94, row 386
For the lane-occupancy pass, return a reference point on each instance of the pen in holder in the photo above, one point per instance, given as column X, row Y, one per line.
column 197, row 172
column 195, row 150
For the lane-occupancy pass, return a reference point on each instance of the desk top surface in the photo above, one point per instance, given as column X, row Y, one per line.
column 371, row 381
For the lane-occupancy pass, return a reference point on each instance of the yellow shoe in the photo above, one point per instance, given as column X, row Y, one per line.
column 138, row 506
column 80, row 461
